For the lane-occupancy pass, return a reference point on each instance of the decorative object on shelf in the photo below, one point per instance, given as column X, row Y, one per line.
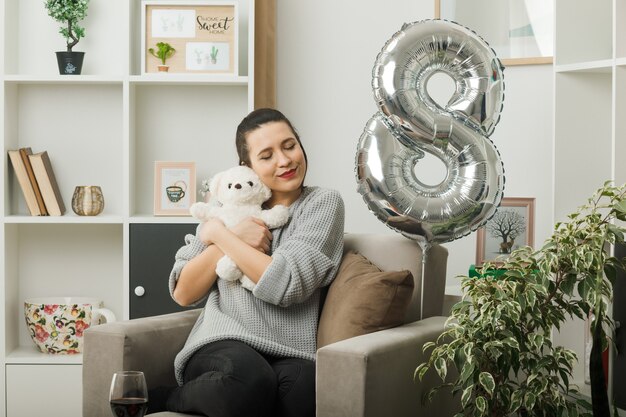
column 498, row 336
column 25, row 181
column 70, row 13
column 242, row 195
column 50, row 192
column 25, row 154
column 56, row 324
column 164, row 52
column 38, row 182
column 204, row 34
column 523, row 35
column 511, row 227
column 411, row 123
column 204, row 190
column 87, row 200
column 174, row 188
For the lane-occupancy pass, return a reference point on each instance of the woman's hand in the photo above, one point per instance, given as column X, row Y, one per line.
column 208, row 230
column 255, row 233
column 250, row 230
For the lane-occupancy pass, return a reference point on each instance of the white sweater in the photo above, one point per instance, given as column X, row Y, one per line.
column 279, row 317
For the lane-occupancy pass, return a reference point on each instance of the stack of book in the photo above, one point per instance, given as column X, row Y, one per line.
column 37, row 181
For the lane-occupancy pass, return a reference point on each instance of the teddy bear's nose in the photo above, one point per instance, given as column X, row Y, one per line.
column 238, row 186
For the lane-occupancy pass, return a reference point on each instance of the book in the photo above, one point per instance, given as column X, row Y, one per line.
column 47, row 183
column 22, row 178
column 24, row 152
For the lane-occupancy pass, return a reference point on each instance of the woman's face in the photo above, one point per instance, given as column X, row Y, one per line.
column 277, row 158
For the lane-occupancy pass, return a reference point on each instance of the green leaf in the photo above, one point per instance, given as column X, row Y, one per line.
column 459, row 358
column 538, row 341
column 617, row 232
column 467, row 395
column 420, row 371
column 516, row 401
column 427, row 346
column 511, row 342
column 481, row 404
column 467, row 371
column 584, row 403
column 441, row 368
column 567, row 285
column 487, row 381
column 529, row 400
column 461, row 306
column 584, row 287
column 611, row 273
column 620, row 206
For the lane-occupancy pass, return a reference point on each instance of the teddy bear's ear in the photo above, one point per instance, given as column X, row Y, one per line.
column 214, row 185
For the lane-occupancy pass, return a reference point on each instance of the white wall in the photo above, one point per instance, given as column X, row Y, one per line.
column 325, row 53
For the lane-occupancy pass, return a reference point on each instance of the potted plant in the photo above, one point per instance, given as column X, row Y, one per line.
column 214, row 52
column 164, row 52
column 69, row 13
column 497, row 339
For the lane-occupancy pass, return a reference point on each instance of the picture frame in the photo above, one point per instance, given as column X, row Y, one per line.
column 512, row 226
column 521, row 32
column 174, row 188
column 204, row 34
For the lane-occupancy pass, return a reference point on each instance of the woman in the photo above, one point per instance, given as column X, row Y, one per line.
column 251, row 353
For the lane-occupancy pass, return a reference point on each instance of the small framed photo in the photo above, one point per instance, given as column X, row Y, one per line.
column 174, row 188
column 510, row 228
column 204, row 35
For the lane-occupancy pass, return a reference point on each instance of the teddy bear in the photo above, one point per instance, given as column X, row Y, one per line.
column 241, row 194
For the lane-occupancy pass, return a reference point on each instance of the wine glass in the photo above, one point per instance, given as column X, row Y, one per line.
column 129, row 394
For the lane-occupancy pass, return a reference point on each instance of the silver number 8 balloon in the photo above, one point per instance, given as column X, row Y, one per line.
column 410, row 123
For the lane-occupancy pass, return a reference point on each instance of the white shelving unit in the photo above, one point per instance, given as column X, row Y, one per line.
column 105, row 127
column 590, row 96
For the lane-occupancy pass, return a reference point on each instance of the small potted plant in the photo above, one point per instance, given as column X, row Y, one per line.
column 69, row 13
column 164, row 52
column 214, row 52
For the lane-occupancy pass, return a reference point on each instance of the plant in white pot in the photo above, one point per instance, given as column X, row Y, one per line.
column 498, row 338
column 69, row 13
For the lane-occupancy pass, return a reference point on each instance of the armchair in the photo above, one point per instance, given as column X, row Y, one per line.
column 369, row 375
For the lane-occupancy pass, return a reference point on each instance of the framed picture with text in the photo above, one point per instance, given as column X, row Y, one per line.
column 204, row 35
column 511, row 227
column 174, row 188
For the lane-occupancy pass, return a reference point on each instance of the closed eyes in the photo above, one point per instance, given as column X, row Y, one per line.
column 288, row 147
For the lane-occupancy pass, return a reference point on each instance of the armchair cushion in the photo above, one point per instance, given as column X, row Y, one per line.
column 363, row 299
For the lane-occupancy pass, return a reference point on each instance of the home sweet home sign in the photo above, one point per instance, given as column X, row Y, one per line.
column 203, row 34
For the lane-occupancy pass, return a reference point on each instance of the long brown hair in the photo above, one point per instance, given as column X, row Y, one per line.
column 253, row 121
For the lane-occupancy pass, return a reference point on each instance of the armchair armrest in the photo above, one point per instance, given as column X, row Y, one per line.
column 372, row 375
column 148, row 344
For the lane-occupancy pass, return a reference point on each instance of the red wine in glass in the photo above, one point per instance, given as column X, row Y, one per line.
column 129, row 407
column 129, row 394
